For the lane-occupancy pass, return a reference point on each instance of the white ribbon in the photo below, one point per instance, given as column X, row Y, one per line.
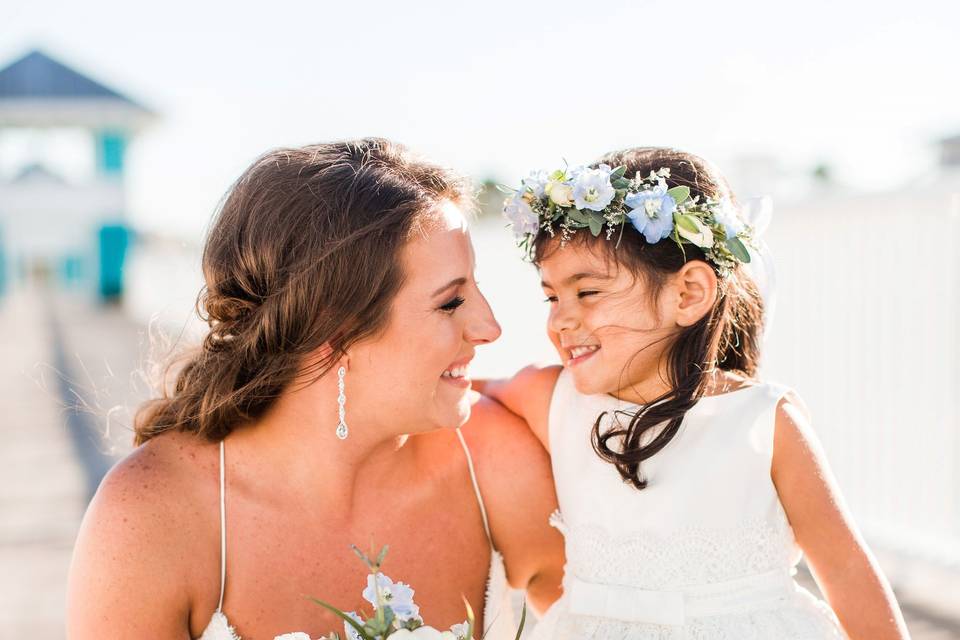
column 631, row 604
column 758, row 212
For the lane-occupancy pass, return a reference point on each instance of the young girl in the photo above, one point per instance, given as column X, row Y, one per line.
column 688, row 487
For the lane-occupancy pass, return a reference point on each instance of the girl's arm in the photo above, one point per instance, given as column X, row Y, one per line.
column 528, row 395
column 517, row 487
column 843, row 566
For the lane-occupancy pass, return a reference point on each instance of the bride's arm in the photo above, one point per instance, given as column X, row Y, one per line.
column 516, row 481
column 125, row 578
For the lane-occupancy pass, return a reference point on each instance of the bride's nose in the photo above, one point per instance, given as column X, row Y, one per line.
column 483, row 327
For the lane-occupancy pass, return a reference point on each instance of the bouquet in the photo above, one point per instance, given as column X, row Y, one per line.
column 395, row 615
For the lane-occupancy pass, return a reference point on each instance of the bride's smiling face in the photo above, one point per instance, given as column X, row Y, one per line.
column 419, row 364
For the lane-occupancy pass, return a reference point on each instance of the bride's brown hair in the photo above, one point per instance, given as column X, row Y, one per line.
column 727, row 338
column 304, row 252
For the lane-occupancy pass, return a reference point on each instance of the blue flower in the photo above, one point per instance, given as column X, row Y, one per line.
column 592, row 189
column 349, row 630
column 396, row 595
column 651, row 212
column 727, row 216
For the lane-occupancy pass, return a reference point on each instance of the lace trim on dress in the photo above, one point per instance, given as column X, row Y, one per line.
column 687, row 556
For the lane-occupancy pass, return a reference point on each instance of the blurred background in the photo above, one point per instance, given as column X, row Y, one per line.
column 122, row 125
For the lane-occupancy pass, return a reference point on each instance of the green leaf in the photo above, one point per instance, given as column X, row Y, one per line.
column 353, row 623
column 470, row 617
column 558, row 174
column 620, row 183
column 577, row 216
column 523, row 620
column 596, row 225
column 679, row 194
column 738, row 249
column 618, row 172
column 382, row 555
column 360, row 554
column 687, row 222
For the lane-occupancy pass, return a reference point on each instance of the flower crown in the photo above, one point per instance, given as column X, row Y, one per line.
column 602, row 200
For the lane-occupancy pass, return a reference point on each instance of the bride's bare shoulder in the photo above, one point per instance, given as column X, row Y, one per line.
column 143, row 534
column 161, row 490
column 164, row 472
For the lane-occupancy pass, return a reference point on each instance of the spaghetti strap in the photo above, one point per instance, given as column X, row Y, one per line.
column 223, row 532
column 476, row 487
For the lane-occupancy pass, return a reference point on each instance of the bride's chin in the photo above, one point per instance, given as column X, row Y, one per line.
column 459, row 414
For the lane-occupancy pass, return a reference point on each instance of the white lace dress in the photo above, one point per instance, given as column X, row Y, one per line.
column 497, row 612
column 704, row 552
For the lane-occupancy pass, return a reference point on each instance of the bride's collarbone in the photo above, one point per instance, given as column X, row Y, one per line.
column 429, row 490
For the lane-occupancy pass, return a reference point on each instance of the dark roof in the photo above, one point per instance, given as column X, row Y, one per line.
column 36, row 75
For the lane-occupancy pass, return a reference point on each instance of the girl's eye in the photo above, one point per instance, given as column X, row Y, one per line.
column 550, row 299
column 584, row 294
column 451, row 306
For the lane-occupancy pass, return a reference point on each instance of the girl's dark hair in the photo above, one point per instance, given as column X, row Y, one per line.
column 727, row 338
column 304, row 251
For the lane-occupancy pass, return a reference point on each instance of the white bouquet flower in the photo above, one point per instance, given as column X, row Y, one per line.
column 395, row 614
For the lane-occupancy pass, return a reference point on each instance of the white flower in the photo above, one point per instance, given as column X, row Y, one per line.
column 522, row 218
column 420, row 633
column 396, row 595
column 299, row 635
column 703, row 238
column 537, row 182
column 560, row 193
column 459, row 631
column 592, row 189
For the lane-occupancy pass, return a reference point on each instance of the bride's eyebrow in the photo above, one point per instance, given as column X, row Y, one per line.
column 450, row 285
column 577, row 277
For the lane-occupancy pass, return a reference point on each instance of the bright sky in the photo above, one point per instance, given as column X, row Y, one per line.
column 497, row 88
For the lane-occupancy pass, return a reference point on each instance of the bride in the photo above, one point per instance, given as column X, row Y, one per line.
column 322, row 410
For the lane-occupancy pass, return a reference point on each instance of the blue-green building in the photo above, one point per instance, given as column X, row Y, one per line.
column 57, row 230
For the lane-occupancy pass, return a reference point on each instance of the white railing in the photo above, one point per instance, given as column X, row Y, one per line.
column 867, row 329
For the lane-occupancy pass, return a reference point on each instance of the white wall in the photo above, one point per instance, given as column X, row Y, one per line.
column 867, row 329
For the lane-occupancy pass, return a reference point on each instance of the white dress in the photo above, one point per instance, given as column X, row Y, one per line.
column 497, row 612
column 704, row 552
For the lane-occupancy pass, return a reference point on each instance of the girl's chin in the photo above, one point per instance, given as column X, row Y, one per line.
column 592, row 385
column 586, row 385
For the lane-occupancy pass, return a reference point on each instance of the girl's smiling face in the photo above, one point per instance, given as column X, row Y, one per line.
column 610, row 326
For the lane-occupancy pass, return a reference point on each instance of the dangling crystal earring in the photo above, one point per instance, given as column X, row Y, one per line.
column 342, row 431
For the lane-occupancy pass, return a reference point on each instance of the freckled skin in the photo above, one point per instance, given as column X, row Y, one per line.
column 297, row 498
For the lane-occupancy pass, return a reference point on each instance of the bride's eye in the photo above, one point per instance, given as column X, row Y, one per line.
column 584, row 294
column 451, row 306
column 550, row 299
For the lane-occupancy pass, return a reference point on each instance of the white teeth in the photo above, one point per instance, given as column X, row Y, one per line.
column 458, row 372
column 576, row 352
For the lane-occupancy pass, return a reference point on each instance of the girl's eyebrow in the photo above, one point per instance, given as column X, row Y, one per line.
column 579, row 276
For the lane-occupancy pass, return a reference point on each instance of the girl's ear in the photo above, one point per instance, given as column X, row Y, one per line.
column 696, row 286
